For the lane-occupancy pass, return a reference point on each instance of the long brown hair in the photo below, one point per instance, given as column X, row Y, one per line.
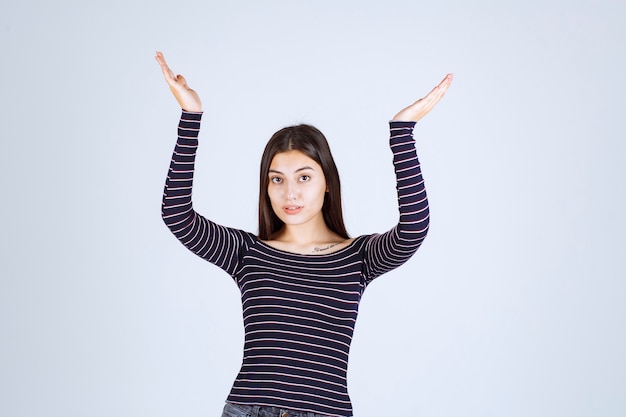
column 311, row 142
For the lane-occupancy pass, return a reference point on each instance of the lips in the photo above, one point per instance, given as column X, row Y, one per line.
column 292, row 209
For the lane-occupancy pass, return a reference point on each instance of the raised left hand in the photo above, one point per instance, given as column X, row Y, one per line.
column 424, row 105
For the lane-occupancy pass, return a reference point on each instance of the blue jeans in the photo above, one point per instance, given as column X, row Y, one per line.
column 238, row 410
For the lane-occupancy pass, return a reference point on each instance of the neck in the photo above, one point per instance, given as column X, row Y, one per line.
column 306, row 234
column 307, row 239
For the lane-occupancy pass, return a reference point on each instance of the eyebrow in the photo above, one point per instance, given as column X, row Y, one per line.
column 304, row 168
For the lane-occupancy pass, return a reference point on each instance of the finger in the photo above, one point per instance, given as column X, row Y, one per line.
column 167, row 72
column 160, row 59
column 441, row 88
column 437, row 93
column 446, row 80
column 182, row 80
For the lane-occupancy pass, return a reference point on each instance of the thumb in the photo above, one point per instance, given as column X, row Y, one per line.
column 181, row 80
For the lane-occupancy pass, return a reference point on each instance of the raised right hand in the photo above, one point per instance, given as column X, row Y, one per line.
column 187, row 98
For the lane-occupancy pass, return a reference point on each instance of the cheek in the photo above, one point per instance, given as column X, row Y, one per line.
column 272, row 193
column 321, row 195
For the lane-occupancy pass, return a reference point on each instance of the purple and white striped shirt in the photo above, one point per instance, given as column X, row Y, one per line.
column 299, row 311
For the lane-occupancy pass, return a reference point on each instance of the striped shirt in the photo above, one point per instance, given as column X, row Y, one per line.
column 299, row 311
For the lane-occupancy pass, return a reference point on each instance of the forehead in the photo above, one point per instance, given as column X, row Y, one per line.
column 290, row 161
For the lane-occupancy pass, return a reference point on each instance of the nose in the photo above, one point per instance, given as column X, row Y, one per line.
column 292, row 192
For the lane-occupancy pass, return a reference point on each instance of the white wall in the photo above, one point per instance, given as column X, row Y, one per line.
column 513, row 306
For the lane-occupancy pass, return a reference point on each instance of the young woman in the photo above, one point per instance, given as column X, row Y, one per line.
column 301, row 277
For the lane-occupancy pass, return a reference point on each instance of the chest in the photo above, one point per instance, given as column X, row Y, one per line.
column 324, row 286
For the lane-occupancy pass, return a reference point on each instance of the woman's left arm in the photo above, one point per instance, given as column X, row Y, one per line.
column 387, row 251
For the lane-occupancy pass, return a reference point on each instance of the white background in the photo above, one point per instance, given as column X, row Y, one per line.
column 514, row 306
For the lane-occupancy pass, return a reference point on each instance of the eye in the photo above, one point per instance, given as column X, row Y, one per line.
column 304, row 178
column 276, row 180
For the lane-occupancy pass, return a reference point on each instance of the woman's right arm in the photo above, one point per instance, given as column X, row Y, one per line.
column 217, row 244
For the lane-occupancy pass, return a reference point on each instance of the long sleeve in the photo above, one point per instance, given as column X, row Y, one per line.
column 384, row 252
column 217, row 244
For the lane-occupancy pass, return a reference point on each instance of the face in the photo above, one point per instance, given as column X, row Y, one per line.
column 296, row 188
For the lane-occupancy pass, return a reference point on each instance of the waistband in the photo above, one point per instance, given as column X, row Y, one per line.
column 267, row 411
